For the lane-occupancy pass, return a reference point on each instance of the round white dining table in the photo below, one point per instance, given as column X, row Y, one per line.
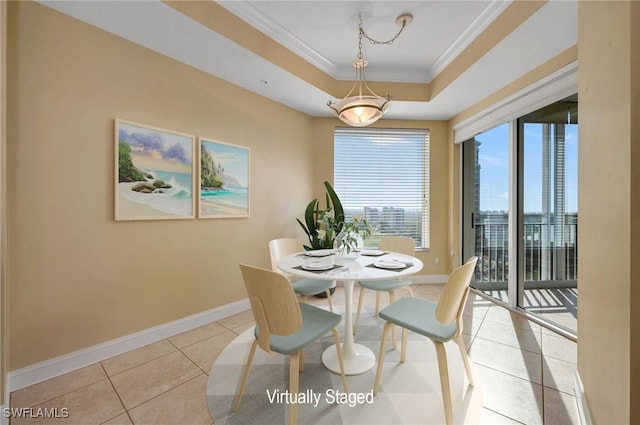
column 357, row 358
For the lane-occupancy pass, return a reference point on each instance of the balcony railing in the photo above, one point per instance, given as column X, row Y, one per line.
column 550, row 254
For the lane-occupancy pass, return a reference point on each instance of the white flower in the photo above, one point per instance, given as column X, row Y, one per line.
column 329, row 214
column 322, row 234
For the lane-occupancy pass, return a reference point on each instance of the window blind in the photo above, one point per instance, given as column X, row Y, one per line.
column 382, row 175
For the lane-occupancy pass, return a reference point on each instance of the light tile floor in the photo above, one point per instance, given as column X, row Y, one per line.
column 557, row 305
column 526, row 373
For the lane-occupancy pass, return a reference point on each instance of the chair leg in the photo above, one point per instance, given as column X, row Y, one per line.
column 403, row 349
column 336, row 338
column 465, row 358
column 444, row 381
column 410, row 290
column 377, row 303
column 245, row 376
column 360, row 297
column 294, row 362
column 301, row 362
column 303, row 298
column 392, row 298
column 328, row 292
column 385, row 332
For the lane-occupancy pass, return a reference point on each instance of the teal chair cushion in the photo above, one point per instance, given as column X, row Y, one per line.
column 419, row 316
column 315, row 323
column 384, row 285
column 310, row 286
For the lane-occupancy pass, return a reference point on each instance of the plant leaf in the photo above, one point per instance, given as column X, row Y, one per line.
column 310, row 217
column 337, row 205
column 303, row 227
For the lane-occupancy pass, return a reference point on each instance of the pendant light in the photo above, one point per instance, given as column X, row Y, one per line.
column 361, row 106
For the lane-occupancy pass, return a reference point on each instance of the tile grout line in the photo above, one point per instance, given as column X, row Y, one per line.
column 65, row 393
column 143, row 363
column 503, row 415
column 506, row 373
column 542, row 379
column 161, row 394
column 191, row 360
column 164, row 392
column 119, row 398
column 510, row 346
column 517, row 377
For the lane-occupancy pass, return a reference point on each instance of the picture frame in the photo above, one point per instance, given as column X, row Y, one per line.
column 223, row 179
column 155, row 173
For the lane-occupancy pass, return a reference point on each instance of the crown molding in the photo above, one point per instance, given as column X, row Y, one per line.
column 482, row 21
column 251, row 15
column 254, row 17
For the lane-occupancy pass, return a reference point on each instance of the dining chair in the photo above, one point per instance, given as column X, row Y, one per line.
column 284, row 326
column 402, row 244
column 304, row 287
column 440, row 322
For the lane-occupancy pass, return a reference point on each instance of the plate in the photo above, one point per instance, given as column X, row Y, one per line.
column 372, row 252
column 317, row 265
column 319, row 253
column 387, row 264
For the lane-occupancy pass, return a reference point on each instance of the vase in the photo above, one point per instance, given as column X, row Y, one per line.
column 348, row 245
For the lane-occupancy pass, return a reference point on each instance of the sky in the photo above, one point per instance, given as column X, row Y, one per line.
column 493, row 158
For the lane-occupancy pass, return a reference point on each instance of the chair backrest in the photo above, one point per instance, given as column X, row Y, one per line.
column 282, row 247
column 454, row 296
column 273, row 303
column 401, row 244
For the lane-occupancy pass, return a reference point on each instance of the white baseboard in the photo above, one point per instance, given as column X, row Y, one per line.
column 4, row 420
column 48, row 369
column 581, row 401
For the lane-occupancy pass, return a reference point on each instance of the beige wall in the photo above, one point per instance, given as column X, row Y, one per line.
column 77, row 277
column 609, row 233
column 3, row 144
column 323, row 129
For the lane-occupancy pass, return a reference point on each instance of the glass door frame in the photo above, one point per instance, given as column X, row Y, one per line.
column 515, row 284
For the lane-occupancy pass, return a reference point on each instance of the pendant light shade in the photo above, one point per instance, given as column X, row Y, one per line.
column 361, row 106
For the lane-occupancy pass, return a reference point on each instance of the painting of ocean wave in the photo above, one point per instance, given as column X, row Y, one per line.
column 155, row 173
column 224, row 180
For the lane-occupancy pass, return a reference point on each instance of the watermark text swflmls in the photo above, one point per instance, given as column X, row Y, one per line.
column 36, row 412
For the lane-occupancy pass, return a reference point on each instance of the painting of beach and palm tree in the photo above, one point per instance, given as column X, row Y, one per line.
column 155, row 173
column 224, row 180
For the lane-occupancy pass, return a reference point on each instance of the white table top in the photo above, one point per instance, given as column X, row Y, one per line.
column 356, row 358
column 360, row 268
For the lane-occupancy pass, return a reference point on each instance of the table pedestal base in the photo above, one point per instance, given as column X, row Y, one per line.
column 357, row 359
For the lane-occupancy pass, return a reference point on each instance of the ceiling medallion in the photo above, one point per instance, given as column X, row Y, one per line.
column 361, row 106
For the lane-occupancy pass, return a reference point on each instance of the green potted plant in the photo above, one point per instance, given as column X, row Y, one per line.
column 322, row 226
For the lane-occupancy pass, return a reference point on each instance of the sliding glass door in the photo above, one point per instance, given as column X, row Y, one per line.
column 548, row 139
column 520, row 212
column 486, row 209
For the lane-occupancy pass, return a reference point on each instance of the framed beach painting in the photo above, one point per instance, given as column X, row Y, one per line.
column 155, row 173
column 223, row 180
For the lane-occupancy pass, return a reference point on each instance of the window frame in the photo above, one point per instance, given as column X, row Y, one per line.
column 383, row 135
